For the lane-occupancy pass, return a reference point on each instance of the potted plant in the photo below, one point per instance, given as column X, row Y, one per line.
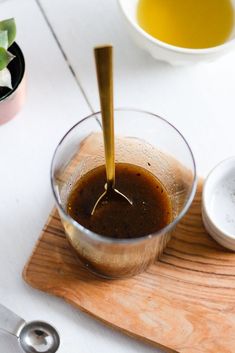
column 12, row 72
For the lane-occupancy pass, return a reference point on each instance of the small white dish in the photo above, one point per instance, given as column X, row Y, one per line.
column 166, row 52
column 218, row 203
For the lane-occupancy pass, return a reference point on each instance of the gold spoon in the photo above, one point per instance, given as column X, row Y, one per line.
column 104, row 71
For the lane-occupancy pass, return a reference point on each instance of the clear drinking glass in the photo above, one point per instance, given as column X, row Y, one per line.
column 143, row 139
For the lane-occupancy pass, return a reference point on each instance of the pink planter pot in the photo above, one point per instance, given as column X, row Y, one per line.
column 11, row 101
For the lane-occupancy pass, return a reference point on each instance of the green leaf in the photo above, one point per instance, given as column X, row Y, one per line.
column 5, row 78
column 9, row 26
column 5, row 58
column 3, row 39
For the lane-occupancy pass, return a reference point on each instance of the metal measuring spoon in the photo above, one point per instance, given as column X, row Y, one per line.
column 104, row 71
column 33, row 337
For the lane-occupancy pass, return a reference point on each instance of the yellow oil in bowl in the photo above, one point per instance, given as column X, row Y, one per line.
column 187, row 23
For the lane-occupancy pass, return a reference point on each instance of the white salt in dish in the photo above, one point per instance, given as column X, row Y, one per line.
column 218, row 203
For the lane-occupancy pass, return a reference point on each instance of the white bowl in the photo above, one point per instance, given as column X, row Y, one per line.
column 218, row 203
column 166, row 52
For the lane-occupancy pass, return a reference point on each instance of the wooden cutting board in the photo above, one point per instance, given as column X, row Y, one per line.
column 184, row 303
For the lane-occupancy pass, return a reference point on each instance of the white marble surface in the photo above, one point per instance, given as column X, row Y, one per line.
column 198, row 100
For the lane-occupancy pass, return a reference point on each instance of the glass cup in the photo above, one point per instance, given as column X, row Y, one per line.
column 143, row 139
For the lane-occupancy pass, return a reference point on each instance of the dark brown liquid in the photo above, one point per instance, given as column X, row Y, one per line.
column 150, row 212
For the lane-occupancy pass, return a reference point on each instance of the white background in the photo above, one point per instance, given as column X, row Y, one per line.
column 199, row 100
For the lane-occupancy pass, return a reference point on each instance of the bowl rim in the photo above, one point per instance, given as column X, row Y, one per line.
column 174, row 48
column 220, row 231
column 219, row 238
column 98, row 237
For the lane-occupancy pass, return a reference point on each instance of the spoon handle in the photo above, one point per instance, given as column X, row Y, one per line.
column 10, row 322
column 104, row 71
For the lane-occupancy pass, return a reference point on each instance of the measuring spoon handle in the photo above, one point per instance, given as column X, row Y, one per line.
column 10, row 322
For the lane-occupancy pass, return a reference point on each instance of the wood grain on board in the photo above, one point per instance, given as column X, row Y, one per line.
column 185, row 302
